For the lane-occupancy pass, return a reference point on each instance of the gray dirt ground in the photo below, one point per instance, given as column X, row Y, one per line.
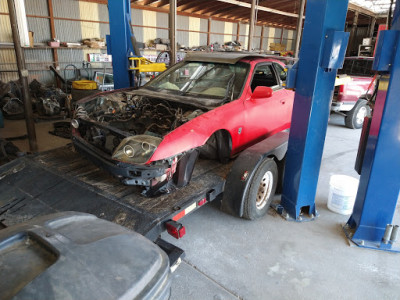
column 46, row 141
column 231, row 258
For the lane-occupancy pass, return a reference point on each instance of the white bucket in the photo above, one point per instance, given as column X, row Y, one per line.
column 342, row 194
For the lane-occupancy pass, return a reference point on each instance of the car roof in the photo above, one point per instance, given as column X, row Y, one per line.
column 228, row 57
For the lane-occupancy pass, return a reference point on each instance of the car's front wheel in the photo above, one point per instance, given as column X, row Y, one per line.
column 355, row 117
column 261, row 190
column 218, row 147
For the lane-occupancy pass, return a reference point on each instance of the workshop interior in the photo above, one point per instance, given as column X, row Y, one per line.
column 216, row 149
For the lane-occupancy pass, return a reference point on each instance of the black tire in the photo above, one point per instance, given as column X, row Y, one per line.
column 354, row 119
column 258, row 200
column 164, row 57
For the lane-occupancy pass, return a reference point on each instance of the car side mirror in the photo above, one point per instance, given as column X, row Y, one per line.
column 261, row 92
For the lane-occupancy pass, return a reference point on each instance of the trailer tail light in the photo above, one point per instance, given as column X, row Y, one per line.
column 202, row 202
column 341, row 89
column 175, row 229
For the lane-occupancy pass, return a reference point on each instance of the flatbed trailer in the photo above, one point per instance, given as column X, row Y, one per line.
column 63, row 180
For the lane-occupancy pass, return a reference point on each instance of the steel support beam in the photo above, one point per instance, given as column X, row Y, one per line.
column 372, row 27
column 261, row 8
column 23, row 76
column 379, row 187
column 299, row 28
column 172, row 31
column 353, row 33
column 389, row 16
column 262, row 38
column 314, row 83
column 208, row 31
column 53, row 36
column 252, row 23
column 238, row 31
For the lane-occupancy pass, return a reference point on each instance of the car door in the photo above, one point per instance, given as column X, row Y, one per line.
column 266, row 116
column 288, row 95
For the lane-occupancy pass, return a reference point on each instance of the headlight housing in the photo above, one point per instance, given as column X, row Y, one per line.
column 136, row 149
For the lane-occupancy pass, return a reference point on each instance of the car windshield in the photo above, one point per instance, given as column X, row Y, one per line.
column 202, row 79
column 357, row 67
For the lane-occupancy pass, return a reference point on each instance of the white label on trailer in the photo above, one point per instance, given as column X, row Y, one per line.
column 190, row 208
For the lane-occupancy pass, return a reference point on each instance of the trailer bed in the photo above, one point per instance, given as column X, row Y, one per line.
column 63, row 180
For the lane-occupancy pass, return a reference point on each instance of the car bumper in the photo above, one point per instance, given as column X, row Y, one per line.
column 337, row 106
column 130, row 174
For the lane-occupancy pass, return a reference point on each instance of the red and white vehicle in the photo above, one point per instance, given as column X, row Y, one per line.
column 215, row 105
column 353, row 89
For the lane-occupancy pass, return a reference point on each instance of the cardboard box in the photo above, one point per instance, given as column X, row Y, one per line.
column 31, row 33
column 161, row 47
column 54, row 44
column 277, row 47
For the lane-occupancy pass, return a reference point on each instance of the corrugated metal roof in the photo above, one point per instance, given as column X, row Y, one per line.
column 377, row 6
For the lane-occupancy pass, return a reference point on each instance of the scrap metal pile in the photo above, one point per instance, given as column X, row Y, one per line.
column 46, row 101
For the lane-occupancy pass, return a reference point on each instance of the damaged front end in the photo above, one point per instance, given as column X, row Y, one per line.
column 120, row 131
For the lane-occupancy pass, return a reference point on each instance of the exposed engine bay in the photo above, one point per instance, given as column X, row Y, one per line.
column 125, row 129
column 126, row 114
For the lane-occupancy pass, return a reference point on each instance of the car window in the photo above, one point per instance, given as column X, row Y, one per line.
column 281, row 72
column 203, row 79
column 264, row 76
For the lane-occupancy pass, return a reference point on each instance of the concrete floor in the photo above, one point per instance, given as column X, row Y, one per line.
column 232, row 258
column 270, row 258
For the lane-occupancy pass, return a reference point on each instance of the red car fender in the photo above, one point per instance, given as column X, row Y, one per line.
column 196, row 132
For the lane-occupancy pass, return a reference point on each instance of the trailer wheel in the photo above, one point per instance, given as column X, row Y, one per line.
column 355, row 117
column 261, row 190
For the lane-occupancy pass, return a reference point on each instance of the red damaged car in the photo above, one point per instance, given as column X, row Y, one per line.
column 212, row 105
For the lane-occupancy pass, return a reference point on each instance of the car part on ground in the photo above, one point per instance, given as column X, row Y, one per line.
column 49, row 101
column 62, row 129
column 13, row 108
column 10, row 100
column 74, row 255
column 8, row 151
column 48, row 106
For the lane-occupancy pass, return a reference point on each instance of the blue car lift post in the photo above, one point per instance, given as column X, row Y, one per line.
column 370, row 224
column 119, row 42
column 321, row 54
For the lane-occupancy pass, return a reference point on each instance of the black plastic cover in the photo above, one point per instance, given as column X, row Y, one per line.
column 74, row 255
